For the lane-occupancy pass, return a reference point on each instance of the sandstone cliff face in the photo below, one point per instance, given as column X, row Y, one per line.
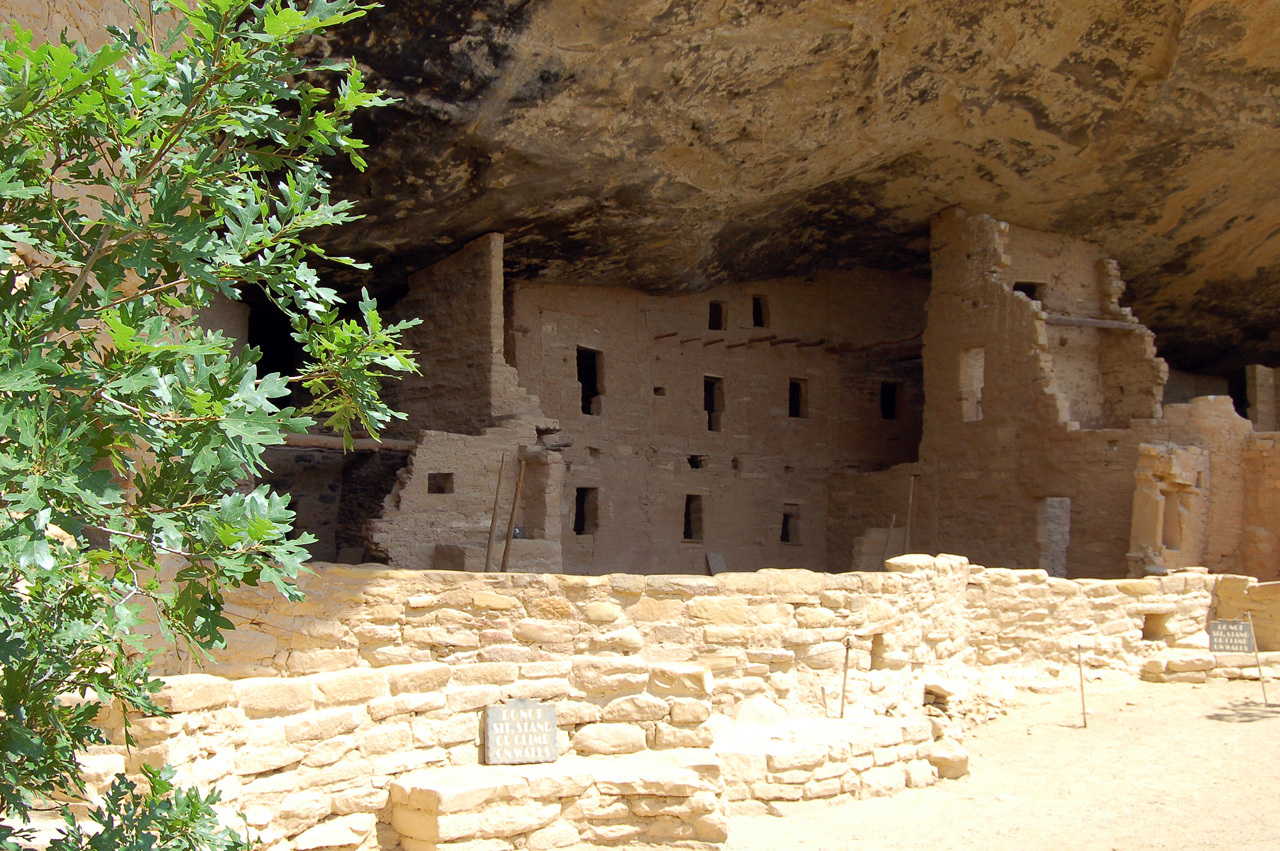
column 674, row 144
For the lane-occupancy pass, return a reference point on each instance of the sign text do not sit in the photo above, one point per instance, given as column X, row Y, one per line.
column 519, row 732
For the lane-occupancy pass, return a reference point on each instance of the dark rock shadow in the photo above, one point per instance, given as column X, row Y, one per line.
column 1246, row 711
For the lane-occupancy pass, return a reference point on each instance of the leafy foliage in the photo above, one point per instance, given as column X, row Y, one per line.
column 139, row 181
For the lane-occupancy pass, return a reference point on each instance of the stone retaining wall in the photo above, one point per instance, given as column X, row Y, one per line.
column 317, row 708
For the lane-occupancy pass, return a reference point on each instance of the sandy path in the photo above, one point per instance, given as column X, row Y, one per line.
column 1159, row 767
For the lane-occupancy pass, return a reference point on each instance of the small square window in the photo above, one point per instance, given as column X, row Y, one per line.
column 888, row 400
column 759, row 312
column 717, row 316
column 439, row 482
column 798, row 398
column 693, row 517
column 586, row 511
column 698, row 462
column 659, row 391
column 790, row 524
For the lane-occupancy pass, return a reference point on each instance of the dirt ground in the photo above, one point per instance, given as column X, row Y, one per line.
column 1168, row 766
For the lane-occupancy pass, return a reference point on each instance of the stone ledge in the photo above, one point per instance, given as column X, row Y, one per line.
column 658, row 798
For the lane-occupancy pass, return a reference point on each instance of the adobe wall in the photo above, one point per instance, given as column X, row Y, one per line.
column 464, row 384
column 1019, row 393
column 655, row 354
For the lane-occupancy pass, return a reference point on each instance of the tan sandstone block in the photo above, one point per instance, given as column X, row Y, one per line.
column 721, row 610
column 264, row 697
column 486, row 673
column 672, row 736
column 359, row 686
column 324, row 724
column 609, row 739
column 421, row 677
column 640, row 707
column 691, row 679
column 648, row 609
column 625, row 640
column 193, row 692
column 603, row 612
column 608, row 675
column 496, row 602
column 341, row 832
column 535, row 631
column 686, row 710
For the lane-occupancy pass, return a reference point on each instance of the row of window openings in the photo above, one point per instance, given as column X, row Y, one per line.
column 718, row 314
column 586, row 517
column 590, row 372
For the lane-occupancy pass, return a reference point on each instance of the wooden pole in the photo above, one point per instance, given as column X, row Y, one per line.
column 888, row 536
column 1256, row 658
column 911, row 510
column 844, row 684
column 511, row 524
column 1084, row 712
column 493, row 519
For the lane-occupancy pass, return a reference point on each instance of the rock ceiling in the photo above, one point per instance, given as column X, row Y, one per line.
column 672, row 144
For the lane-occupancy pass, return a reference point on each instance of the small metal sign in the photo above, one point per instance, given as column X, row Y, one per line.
column 1230, row 637
column 519, row 732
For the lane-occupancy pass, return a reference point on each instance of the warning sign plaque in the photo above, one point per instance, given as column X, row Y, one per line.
column 1230, row 637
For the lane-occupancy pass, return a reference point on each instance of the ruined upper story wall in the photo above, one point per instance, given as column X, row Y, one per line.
column 1012, row 396
column 655, row 356
column 464, row 384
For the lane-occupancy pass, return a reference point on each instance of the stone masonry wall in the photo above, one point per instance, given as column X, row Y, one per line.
column 316, row 707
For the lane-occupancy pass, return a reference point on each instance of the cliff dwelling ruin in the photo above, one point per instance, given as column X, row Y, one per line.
column 1008, row 407
column 736, row 320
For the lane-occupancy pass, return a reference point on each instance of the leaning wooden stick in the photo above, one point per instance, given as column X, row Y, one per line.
column 1084, row 712
column 511, row 525
column 493, row 519
column 1262, row 681
column 844, row 687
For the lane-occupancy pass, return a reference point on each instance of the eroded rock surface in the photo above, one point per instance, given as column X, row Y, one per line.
column 678, row 143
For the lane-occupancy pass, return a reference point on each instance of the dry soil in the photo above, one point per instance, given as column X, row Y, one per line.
column 1183, row 767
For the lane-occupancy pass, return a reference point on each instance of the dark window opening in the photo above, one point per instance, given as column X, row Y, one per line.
column 759, row 312
column 693, row 517
column 589, row 375
column 717, row 316
column 798, row 398
column 586, row 511
column 659, row 391
column 877, row 652
column 439, row 482
column 697, row 462
column 888, row 400
column 790, row 524
column 1028, row 289
column 1156, row 627
column 735, row 464
column 713, row 401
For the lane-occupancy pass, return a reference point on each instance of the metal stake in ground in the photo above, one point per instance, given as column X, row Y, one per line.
column 1084, row 712
column 1253, row 633
column 844, row 684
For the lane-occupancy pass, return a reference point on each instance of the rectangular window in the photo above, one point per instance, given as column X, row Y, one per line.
column 1171, row 535
column 790, row 524
column 798, row 398
column 713, row 401
column 973, row 365
column 693, row 517
column 590, row 369
column 1028, row 289
column 717, row 316
column 759, row 312
column 586, row 511
column 439, row 482
column 888, row 400
column 697, row 462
